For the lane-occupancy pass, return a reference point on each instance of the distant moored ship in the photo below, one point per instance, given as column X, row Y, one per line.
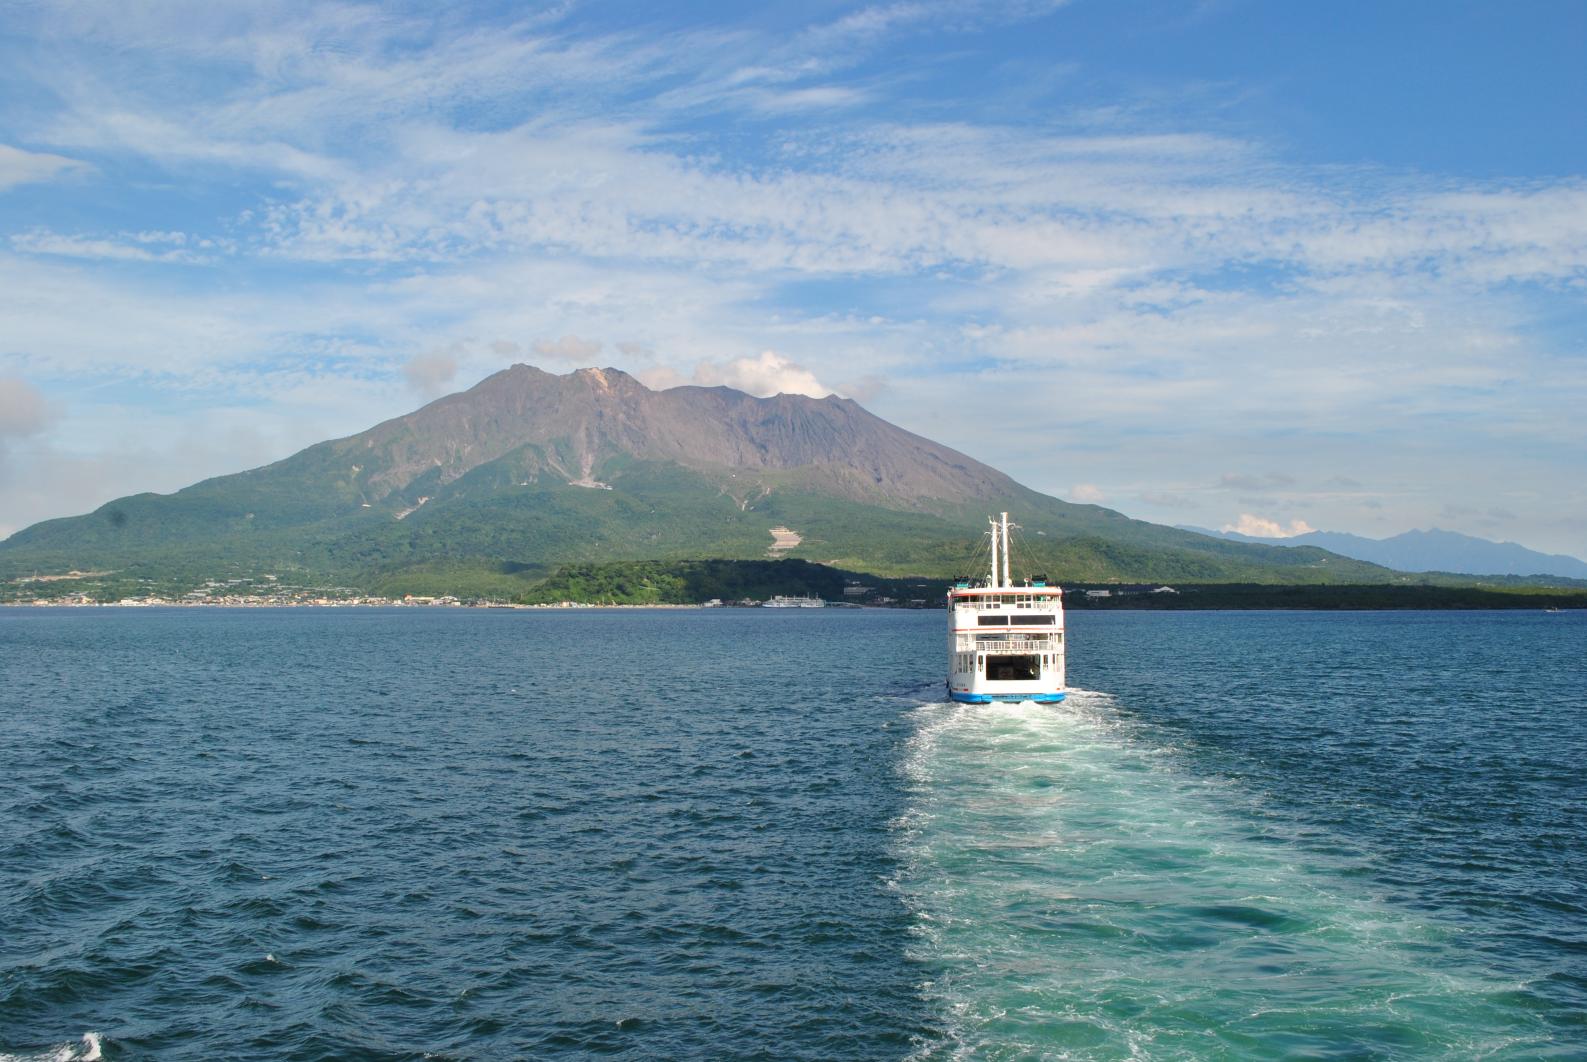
column 1005, row 642
column 785, row 601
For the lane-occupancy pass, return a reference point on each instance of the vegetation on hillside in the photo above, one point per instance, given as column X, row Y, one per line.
column 471, row 497
column 695, row 582
column 682, row 582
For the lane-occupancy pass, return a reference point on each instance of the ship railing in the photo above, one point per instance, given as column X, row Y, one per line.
column 1051, row 605
column 982, row 644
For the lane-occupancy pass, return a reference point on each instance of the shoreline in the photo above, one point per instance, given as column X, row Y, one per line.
column 660, row 606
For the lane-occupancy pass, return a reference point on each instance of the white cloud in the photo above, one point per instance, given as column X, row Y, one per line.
column 139, row 330
column 429, row 186
column 1088, row 493
column 766, row 374
column 134, row 249
column 821, row 97
column 25, row 167
column 348, row 102
column 1261, row 527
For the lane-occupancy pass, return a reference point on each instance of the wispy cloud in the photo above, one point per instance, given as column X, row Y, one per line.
column 126, row 247
column 379, row 198
column 370, row 112
column 24, row 167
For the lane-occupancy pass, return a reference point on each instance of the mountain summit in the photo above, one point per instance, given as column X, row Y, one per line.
column 527, row 470
column 571, row 426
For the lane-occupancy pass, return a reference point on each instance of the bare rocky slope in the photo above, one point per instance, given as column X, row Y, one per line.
column 578, row 422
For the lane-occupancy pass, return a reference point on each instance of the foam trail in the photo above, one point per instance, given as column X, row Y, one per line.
column 1078, row 893
column 85, row 1050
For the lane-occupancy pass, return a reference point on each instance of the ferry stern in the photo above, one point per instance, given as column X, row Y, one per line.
column 1005, row 641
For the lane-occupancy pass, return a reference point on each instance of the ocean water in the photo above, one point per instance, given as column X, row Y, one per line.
column 456, row 834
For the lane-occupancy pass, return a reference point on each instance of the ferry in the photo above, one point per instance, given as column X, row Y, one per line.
column 790, row 601
column 1005, row 642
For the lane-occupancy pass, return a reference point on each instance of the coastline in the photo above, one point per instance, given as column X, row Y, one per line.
column 1547, row 605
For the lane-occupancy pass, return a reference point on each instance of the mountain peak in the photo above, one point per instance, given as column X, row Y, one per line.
column 608, row 378
column 529, row 467
column 570, row 426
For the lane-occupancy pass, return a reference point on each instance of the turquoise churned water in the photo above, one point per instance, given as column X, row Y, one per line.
column 453, row 834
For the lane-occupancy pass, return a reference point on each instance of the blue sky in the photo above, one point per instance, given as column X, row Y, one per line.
column 1221, row 263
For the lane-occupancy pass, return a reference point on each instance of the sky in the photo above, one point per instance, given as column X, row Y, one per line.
column 1221, row 263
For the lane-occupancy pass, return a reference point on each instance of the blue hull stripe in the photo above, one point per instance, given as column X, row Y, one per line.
column 988, row 698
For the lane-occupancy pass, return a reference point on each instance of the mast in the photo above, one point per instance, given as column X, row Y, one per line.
column 992, row 581
column 1006, row 580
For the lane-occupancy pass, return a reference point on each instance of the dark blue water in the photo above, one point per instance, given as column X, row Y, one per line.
column 457, row 834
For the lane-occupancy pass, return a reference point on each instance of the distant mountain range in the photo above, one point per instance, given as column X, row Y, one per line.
column 487, row 491
column 1427, row 551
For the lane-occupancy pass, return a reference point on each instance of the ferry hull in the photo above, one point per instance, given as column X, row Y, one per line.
column 989, row 698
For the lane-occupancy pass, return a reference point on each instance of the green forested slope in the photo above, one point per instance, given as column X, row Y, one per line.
column 479, row 493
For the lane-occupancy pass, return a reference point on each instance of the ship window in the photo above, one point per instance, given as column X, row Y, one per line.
column 1037, row 619
column 992, row 621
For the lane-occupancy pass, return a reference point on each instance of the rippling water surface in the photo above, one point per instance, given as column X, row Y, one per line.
column 457, row 834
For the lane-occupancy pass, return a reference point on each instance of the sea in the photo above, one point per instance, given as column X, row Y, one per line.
column 764, row 834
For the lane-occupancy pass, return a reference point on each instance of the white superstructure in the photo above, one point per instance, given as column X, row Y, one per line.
column 1005, row 642
column 788, row 601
